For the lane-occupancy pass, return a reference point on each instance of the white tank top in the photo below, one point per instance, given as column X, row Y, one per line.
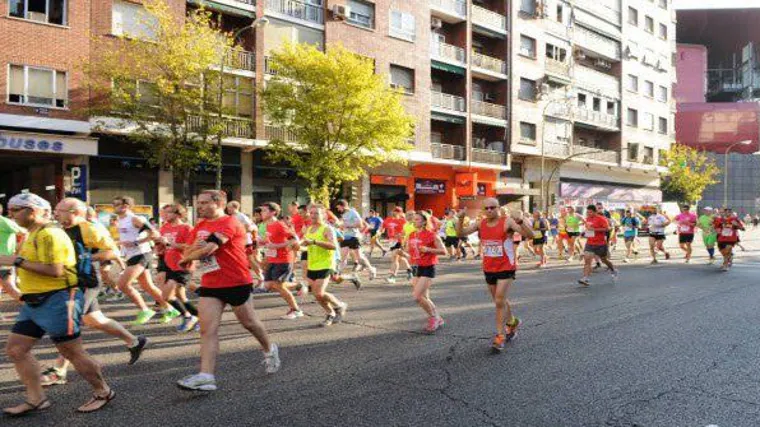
column 129, row 233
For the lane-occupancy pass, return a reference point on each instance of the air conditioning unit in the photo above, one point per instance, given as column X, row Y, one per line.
column 36, row 16
column 601, row 63
column 436, row 23
column 579, row 54
column 341, row 12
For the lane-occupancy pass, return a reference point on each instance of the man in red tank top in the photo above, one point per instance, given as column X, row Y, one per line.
column 499, row 262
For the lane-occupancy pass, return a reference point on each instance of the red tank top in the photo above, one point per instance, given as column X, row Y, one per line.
column 417, row 240
column 498, row 248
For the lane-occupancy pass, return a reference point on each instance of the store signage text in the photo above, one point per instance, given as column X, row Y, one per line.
column 46, row 143
column 30, row 144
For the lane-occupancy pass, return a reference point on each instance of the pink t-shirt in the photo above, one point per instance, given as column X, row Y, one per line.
column 686, row 222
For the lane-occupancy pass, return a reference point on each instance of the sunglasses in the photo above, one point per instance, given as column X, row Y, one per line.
column 490, row 208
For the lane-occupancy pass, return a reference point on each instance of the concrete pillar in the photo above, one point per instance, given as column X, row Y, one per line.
column 68, row 176
column 165, row 187
column 246, row 182
column 364, row 204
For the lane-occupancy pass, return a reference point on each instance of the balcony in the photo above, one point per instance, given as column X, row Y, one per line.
column 488, row 109
column 488, row 19
column 597, row 154
column 234, row 127
column 450, row 8
column 239, row 59
column 448, row 53
column 451, row 103
column 602, row 11
column 648, row 160
column 596, row 118
column 481, row 155
column 597, row 43
column 724, row 80
column 595, row 81
column 557, row 67
column 553, row 149
column 447, row 151
column 244, row 8
column 272, row 132
column 489, row 63
column 311, row 13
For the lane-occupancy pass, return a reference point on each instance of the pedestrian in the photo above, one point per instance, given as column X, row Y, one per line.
column 597, row 244
column 540, row 231
column 9, row 236
column 393, row 226
column 424, row 245
column 631, row 225
column 375, row 224
column 657, row 223
column 727, row 226
column 352, row 225
column 709, row 235
column 687, row 222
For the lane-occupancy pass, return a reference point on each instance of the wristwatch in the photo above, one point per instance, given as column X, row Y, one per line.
column 18, row 261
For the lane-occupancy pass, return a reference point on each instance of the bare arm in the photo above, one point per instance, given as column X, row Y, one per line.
column 439, row 248
column 463, row 231
column 522, row 228
column 50, row 270
column 202, row 249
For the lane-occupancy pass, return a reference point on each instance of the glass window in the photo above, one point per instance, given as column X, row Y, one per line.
column 611, row 108
column 49, row 11
column 632, row 83
column 582, row 100
column 633, row 16
column 632, row 117
column 527, row 89
column 649, row 24
column 238, row 96
column 649, row 155
column 663, row 31
column 662, row 94
column 528, row 46
column 633, row 152
column 597, row 104
column 132, row 20
column 662, row 125
column 649, row 89
column 37, row 86
column 560, row 13
column 556, row 53
column 528, row 131
column 362, row 14
column 402, row 78
column 528, row 6
column 402, row 25
column 647, row 121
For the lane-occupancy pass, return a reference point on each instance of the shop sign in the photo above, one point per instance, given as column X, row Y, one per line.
column 78, row 188
column 429, row 186
column 608, row 193
column 388, row 180
column 481, row 189
column 46, row 143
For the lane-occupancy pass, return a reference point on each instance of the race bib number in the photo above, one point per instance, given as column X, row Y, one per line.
column 537, row 235
column 270, row 253
column 493, row 250
column 208, row 265
column 627, row 229
column 685, row 229
column 727, row 232
column 590, row 233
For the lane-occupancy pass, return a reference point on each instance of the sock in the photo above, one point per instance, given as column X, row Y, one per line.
column 177, row 304
column 711, row 252
column 191, row 308
column 134, row 343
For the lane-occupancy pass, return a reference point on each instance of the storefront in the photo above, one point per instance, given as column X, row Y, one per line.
column 440, row 187
column 277, row 183
column 388, row 192
column 44, row 164
column 579, row 193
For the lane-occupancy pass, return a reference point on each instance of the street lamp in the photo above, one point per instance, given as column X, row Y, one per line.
column 568, row 96
column 258, row 22
column 725, row 169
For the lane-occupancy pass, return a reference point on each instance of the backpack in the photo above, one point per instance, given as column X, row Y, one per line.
column 86, row 273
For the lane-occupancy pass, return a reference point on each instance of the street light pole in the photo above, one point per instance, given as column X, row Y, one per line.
column 725, row 169
column 544, row 190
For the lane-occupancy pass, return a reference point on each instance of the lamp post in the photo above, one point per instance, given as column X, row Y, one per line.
column 725, row 169
column 568, row 96
column 258, row 22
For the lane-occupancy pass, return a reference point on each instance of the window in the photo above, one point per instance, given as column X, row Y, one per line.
column 402, row 25
column 633, row 16
column 238, row 96
column 633, row 152
column 632, row 83
column 662, row 94
column 648, row 89
column 596, row 104
column 662, row 125
column 611, row 108
column 663, row 4
column 648, row 155
column 528, row 7
column 649, row 24
column 560, row 12
column 647, row 121
column 528, row 47
column 663, row 31
column 37, row 86
column 362, row 14
column 131, row 20
column 527, row 131
column 632, row 118
column 48, row 11
column 402, row 78
column 582, row 100
column 527, row 90
column 556, row 53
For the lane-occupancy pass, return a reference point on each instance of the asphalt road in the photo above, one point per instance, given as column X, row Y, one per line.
column 668, row 345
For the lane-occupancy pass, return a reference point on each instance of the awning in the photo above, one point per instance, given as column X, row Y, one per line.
column 232, row 10
column 446, row 118
column 447, row 67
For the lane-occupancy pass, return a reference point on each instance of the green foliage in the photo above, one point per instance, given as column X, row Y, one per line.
column 689, row 172
column 345, row 118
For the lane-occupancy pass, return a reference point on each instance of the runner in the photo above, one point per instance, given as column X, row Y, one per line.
column 139, row 257
column 53, row 305
column 657, row 223
column 499, row 263
column 631, row 225
column 219, row 249
column 278, row 243
column 597, row 244
column 687, row 222
column 727, row 226
column 540, row 229
column 562, row 236
column 352, row 225
column 424, row 246
column 9, row 233
column 375, row 224
column 574, row 222
column 175, row 235
column 451, row 240
column 394, row 226
column 322, row 245
column 553, row 230
column 709, row 236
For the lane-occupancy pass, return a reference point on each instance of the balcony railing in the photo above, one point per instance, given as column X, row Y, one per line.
column 234, row 127
column 648, row 160
column 601, row 10
column 597, row 118
column 596, row 43
column 595, row 81
column 598, row 154
column 489, row 63
column 240, row 59
column 448, row 102
column 273, row 132
column 447, row 52
column 268, row 66
column 457, row 7
column 447, row 151
column 487, row 18
column 481, row 155
column 490, row 110
column 298, row 9
column 557, row 67
column 556, row 150
column 724, row 80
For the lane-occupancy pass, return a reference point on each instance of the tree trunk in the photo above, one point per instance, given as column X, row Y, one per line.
column 186, row 187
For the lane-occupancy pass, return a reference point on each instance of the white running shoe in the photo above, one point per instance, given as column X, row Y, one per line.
column 372, row 273
column 198, row 382
column 292, row 315
column 271, row 360
column 391, row 280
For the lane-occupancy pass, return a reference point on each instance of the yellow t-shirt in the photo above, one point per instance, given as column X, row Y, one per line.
column 97, row 237
column 49, row 245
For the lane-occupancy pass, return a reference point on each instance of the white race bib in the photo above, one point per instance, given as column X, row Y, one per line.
column 685, row 229
column 627, row 229
column 208, row 265
column 727, row 232
column 590, row 233
column 270, row 253
column 491, row 250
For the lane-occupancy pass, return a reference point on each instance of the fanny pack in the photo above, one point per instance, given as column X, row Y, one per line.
column 36, row 300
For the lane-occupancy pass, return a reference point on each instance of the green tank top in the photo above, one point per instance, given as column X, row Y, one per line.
column 573, row 223
column 319, row 257
column 451, row 229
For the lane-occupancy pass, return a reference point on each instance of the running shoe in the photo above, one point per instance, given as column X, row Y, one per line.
column 384, row 252
column 433, row 324
column 136, row 351
column 198, row 382
column 188, row 323
column 654, row 261
column 144, row 317
column 52, row 376
column 372, row 273
column 512, row 328
column 391, row 279
column 626, row 260
column 724, row 268
column 271, row 360
column 292, row 315
column 340, row 313
column 687, row 261
column 329, row 320
column 169, row 315
column 357, row 283
column 667, row 255
column 497, row 345
column 614, row 275
column 584, row 281
column 409, row 274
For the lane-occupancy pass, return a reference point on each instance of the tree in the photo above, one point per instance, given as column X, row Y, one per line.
column 344, row 117
column 689, row 172
column 158, row 86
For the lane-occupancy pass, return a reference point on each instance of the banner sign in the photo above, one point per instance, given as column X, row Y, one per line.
column 47, row 143
column 429, row 186
column 78, row 182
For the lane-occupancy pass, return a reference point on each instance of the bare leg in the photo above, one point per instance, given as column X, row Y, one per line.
column 129, row 275
column 210, row 310
column 284, row 293
column 247, row 317
column 421, row 293
column 19, row 351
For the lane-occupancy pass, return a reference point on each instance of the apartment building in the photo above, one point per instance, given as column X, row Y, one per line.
column 591, row 100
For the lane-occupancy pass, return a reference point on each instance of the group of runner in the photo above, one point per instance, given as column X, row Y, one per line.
column 61, row 268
